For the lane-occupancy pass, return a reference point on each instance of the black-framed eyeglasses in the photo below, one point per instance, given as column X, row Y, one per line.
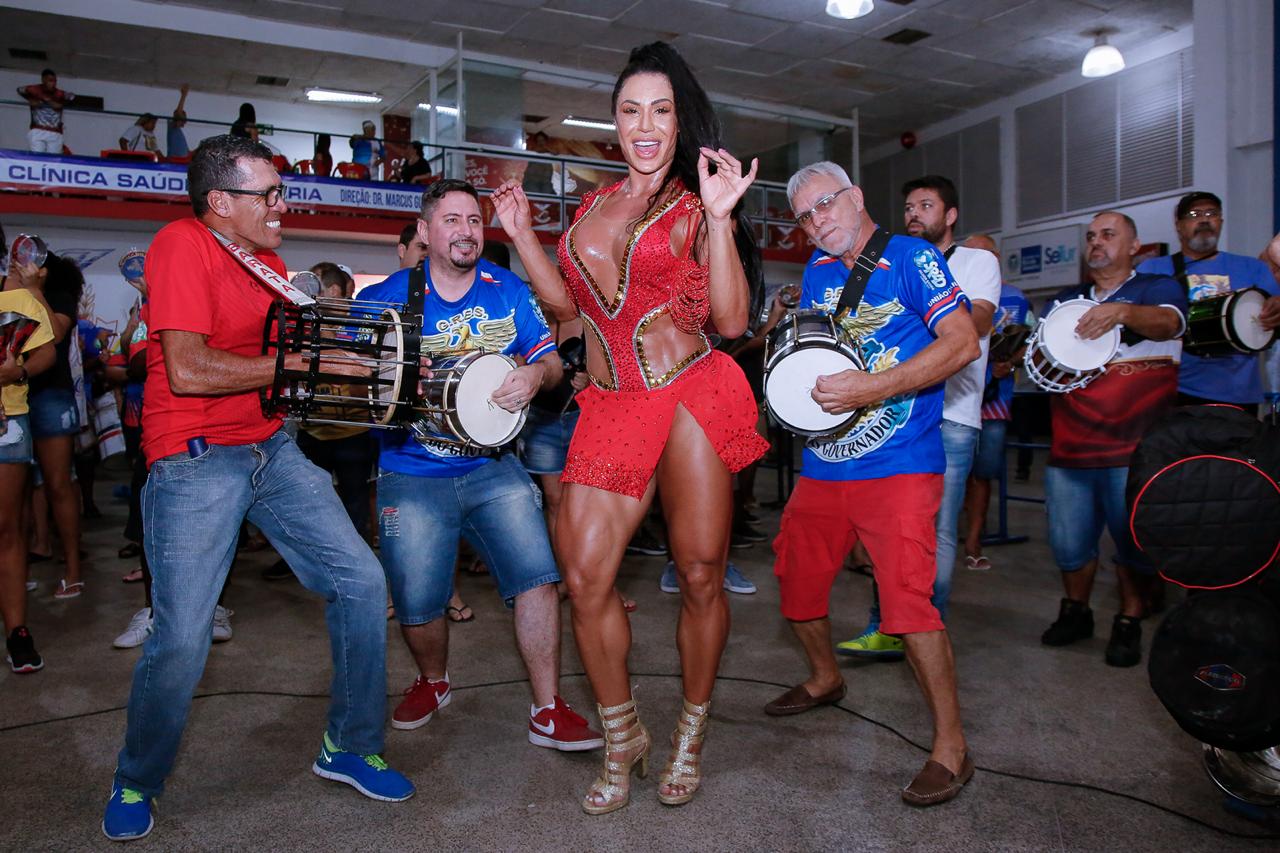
column 271, row 195
column 821, row 206
column 1211, row 213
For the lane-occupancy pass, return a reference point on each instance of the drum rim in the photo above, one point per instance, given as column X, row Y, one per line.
column 397, row 383
column 794, row 343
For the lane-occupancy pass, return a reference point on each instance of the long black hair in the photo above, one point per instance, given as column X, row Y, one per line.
column 65, row 277
column 697, row 126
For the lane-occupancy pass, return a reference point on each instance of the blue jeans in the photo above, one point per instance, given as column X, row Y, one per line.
column 989, row 461
column 959, row 442
column 496, row 507
column 192, row 510
column 544, row 441
column 1080, row 502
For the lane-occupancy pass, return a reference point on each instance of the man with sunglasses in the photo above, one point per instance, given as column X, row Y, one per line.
column 214, row 460
column 1206, row 272
column 880, row 480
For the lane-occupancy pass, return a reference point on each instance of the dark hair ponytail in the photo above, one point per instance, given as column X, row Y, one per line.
column 697, row 126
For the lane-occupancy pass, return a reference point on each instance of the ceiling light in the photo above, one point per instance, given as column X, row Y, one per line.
column 848, row 9
column 443, row 110
column 592, row 123
column 1102, row 59
column 337, row 96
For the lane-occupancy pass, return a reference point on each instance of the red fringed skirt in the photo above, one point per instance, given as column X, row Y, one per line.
column 621, row 434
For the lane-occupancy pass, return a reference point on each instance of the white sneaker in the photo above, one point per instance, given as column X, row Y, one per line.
column 136, row 634
column 32, row 586
column 222, row 624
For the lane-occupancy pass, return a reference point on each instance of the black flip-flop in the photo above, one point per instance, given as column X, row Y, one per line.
column 129, row 551
column 458, row 611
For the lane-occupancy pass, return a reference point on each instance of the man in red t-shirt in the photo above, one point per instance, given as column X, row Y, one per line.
column 214, row 460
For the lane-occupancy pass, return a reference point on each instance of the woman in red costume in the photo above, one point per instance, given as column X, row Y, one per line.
column 651, row 264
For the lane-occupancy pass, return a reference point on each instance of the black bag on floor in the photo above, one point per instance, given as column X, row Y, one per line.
column 1215, row 665
column 1203, row 496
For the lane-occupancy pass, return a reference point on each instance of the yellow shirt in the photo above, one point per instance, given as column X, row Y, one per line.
column 14, row 397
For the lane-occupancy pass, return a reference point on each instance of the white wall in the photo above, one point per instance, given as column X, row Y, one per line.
column 1233, row 64
column 87, row 133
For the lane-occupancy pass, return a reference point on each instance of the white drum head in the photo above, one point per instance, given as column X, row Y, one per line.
column 1068, row 349
column 1245, row 311
column 791, row 382
column 486, row 423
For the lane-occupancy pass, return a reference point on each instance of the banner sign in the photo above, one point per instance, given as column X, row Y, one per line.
column 1042, row 258
column 167, row 182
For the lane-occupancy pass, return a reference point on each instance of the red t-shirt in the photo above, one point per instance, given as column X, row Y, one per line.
column 195, row 286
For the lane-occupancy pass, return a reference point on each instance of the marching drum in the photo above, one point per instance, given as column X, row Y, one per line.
column 451, row 402
column 802, row 347
column 1059, row 360
column 457, row 401
column 1227, row 324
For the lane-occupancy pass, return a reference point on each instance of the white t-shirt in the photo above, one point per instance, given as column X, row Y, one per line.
column 978, row 274
column 138, row 139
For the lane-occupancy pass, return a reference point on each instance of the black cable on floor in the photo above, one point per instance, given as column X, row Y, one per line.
column 1008, row 774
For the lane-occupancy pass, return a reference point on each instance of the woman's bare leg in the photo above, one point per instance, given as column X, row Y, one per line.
column 592, row 530
column 54, row 455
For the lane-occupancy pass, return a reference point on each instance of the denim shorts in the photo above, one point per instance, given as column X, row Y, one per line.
column 19, row 452
column 990, row 459
column 496, row 507
column 1081, row 502
column 544, row 441
column 54, row 412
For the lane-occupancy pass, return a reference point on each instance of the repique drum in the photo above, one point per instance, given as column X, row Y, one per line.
column 1059, row 360
column 1228, row 324
column 802, row 347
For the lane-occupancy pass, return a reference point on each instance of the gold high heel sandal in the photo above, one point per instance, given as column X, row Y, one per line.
column 685, row 767
column 622, row 733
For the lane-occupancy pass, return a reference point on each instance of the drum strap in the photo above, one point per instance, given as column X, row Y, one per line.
column 413, row 332
column 262, row 272
column 865, row 264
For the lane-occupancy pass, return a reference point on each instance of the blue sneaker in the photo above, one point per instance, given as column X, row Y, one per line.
column 669, row 582
column 368, row 774
column 128, row 814
column 736, row 581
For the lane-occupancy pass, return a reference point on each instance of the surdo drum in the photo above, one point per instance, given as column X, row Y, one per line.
column 1057, row 359
column 1228, row 324
column 802, row 347
column 450, row 402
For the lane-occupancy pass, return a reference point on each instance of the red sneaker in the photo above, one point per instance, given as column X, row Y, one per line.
column 420, row 702
column 560, row 727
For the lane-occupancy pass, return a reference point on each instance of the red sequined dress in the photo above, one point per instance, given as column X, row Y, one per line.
column 626, row 420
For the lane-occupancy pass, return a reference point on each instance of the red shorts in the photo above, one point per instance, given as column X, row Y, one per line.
column 620, row 435
column 894, row 518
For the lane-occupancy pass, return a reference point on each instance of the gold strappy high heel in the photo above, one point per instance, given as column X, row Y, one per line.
column 685, row 766
column 623, row 733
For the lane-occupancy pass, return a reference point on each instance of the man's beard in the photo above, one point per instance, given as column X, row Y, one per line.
column 1203, row 243
column 1101, row 262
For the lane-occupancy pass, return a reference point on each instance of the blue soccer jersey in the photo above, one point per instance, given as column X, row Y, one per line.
column 1231, row 378
column 498, row 314
column 910, row 291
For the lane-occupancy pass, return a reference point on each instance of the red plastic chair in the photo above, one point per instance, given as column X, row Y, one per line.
column 302, row 167
column 353, row 171
column 66, row 152
column 281, row 163
column 120, row 154
column 181, row 161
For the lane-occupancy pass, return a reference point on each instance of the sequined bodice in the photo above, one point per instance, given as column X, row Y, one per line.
column 651, row 281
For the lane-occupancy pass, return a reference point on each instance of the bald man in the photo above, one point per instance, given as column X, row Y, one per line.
column 997, row 411
column 1096, row 428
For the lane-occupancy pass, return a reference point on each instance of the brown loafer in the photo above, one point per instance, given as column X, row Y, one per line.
column 797, row 700
column 936, row 784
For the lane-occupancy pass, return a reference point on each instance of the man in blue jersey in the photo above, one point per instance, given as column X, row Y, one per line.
column 1206, row 272
column 880, row 480
column 431, row 493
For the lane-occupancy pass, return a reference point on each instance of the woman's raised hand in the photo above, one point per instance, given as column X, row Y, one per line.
column 721, row 191
column 512, row 207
